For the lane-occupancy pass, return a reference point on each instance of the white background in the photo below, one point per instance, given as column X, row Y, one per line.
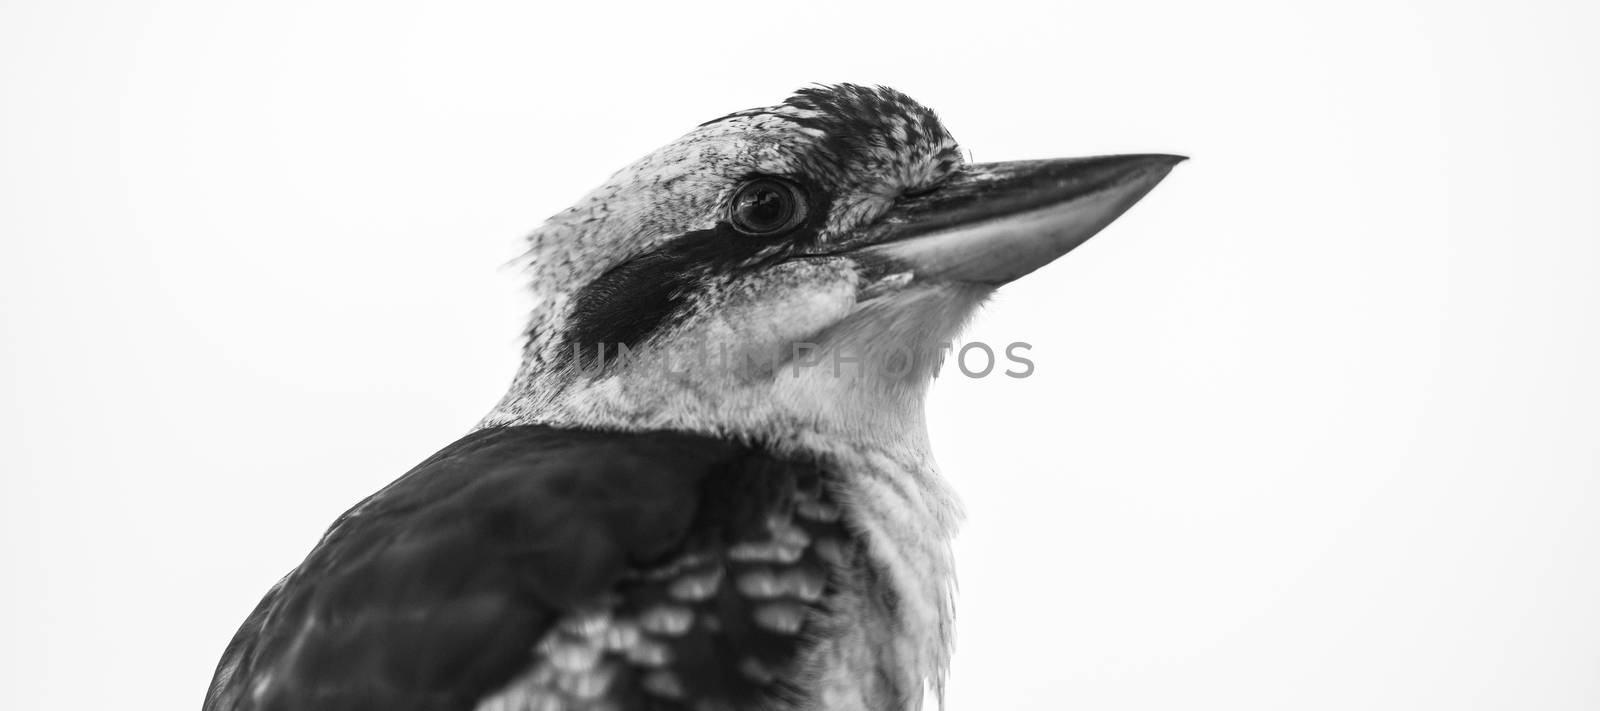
column 1314, row 426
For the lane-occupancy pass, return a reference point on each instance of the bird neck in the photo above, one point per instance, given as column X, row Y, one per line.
column 780, row 402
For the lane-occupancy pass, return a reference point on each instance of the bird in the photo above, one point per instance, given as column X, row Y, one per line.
column 709, row 486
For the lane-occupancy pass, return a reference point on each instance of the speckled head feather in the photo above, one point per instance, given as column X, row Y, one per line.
column 873, row 137
column 862, row 147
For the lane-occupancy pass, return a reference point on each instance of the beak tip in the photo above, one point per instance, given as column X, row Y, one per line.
column 1152, row 168
column 1164, row 161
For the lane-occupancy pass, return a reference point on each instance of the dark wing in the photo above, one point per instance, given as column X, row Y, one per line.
column 534, row 567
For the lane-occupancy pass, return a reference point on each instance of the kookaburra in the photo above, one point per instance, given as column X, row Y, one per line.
column 709, row 485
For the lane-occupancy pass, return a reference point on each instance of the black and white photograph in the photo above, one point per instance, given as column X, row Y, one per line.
column 517, row 356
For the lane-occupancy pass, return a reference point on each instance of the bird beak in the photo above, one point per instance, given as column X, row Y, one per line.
column 991, row 223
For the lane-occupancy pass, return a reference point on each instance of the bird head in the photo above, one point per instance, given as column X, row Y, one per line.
column 794, row 266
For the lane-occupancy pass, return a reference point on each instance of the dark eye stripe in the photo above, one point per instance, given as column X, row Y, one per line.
column 653, row 290
column 636, row 298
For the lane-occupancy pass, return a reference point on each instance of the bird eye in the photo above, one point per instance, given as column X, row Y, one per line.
column 767, row 206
